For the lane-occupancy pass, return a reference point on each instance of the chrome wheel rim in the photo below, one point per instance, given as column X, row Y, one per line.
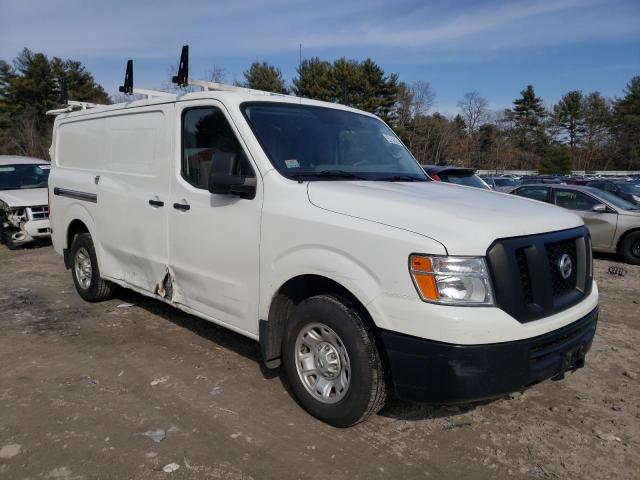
column 322, row 363
column 83, row 268
column 635, row 249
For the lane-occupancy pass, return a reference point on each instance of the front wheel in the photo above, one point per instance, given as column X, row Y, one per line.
column 630, row 248
column 332, row 362
column 84, row 268
column 6, row 238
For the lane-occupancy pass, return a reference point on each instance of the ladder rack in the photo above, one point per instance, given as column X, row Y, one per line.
column 71, row 105
column 223, row 87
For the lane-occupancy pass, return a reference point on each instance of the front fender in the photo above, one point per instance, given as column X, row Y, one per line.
column 339, row 266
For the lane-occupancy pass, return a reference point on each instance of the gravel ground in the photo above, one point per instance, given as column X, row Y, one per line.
column 114, row 391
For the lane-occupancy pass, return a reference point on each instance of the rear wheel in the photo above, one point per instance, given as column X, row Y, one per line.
column 85, row 272
column 332, row 362
column 630, row 248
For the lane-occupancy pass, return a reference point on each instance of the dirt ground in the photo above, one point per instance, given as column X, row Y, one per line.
column 117, row 392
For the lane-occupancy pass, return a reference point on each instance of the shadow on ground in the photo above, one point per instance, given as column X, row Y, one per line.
column 395, row 408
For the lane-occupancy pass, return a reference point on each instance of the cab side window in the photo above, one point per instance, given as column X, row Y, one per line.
column 574, row 200
column 535, row 193
column 207, row 137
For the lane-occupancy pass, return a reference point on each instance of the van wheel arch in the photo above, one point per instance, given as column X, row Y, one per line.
column 283, row 303
column 76, row 227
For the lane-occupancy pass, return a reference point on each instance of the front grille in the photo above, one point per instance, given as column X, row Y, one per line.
column 39, row 213
column 525, row 278
column 555, row 251
column 527, row 274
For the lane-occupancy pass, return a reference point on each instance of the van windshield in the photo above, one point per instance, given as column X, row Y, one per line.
column 22, row 176
column 319, row 143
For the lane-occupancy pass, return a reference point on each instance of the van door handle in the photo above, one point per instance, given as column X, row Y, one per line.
column 181, row 206
column 156, row 203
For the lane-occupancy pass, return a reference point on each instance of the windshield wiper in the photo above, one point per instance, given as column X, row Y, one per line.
column 329, row 174
column 401, row 178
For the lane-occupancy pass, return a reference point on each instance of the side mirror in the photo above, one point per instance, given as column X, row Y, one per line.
column 599, row 208
column 224, row 177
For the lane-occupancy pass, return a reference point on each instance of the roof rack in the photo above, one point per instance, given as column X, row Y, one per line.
column 182, row 79
column 69, row 105
column 128, row 89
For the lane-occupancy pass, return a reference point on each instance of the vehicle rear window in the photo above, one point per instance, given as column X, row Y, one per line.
column 466, row 179
column 629, row 187
column 505, row 182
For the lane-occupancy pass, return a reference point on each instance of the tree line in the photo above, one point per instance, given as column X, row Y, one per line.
column 583, row 131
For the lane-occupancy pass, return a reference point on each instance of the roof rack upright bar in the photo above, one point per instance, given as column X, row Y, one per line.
column 182, row 78
column 127, row 87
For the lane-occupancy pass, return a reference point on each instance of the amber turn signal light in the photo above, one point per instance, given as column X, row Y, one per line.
column 422, row 275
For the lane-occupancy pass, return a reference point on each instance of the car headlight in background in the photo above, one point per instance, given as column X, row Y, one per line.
column 451, row 280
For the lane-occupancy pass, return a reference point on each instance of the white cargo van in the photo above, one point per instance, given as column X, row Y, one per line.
column 309, row 227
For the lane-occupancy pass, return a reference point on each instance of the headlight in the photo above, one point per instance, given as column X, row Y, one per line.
column 451, row 280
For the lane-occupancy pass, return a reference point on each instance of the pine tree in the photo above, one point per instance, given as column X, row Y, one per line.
column 262, row 76
column 314, row 80
column 28, row 90
column 529, row 114
column 627, row 125
column 569, row 115
column 557, row 159
column 362, row 85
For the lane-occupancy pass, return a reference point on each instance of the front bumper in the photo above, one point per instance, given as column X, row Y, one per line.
column 38, row 229
column 430, row 371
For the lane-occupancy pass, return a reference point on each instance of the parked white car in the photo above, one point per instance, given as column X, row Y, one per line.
column 309, row 227
column 24, row 205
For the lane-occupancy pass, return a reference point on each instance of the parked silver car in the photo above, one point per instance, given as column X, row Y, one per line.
column 614, row 223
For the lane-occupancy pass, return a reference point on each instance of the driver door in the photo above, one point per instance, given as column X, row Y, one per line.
column 213, row 238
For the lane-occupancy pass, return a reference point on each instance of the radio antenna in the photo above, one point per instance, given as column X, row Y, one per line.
column 300, row 71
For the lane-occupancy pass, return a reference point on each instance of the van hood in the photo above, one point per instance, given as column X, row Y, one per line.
column 28, row 197
column 465, row 220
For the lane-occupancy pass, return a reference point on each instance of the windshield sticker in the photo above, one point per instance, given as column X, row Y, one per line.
column 392, row 139
column 7, row 169
column 292, row 163
column 44, row 167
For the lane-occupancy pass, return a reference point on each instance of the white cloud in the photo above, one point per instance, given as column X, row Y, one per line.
column 147, row 29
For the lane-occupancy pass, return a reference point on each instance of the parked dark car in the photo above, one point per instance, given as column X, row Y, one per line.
column 627, row 190
column 577, row 180
column 538, row 179
column 501, row 183
column 455, row 175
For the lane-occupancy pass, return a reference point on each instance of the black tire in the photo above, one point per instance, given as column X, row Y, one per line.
column 97, row 289
column 630, row 248
column 367, row 389
column 5, row 235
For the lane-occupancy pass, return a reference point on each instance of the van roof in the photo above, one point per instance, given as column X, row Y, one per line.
column 19, row 160
column 235, row 96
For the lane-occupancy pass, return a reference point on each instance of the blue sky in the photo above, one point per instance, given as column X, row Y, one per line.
column 494, row 47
